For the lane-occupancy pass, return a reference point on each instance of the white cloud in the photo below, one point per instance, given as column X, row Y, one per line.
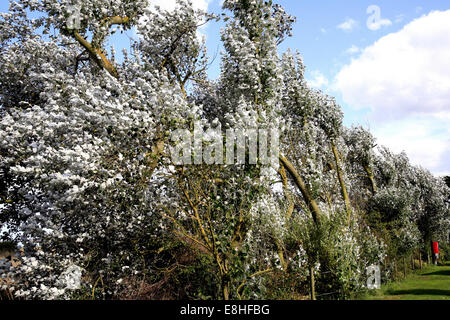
column 319, row 81
column 323, row 30
column 399, row 18
column 402, row 77
column 353, row 50
column 376, row 25
column 425, row 142
column 348, row 25
column 403, row 72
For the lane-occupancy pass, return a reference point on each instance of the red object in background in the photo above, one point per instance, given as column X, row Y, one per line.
column 435, row 247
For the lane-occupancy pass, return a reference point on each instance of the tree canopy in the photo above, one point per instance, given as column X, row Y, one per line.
column 89, row 190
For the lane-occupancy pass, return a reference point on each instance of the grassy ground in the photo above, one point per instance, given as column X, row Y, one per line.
column 431, row 283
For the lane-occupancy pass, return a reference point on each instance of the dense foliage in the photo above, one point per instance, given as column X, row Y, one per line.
column 89, row 191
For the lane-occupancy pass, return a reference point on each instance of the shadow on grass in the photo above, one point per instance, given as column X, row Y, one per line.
column 438, row 273
column 420, row 292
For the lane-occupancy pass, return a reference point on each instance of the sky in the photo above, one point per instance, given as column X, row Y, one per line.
column 386, row 62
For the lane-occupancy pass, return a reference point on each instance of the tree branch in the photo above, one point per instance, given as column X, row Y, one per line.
column 97, row 55
column 313, row 207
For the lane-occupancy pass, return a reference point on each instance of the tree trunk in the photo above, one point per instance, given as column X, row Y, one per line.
column 312, row 284
column 287, row 193
column 420, row 259
column 404, row 266
column 280, row 250
column 341, row 181
column 97, row 55
column 226, row 289
column 412, row 261
column 312, row 205
column 433, row 256
column 395, row 268
column 371, row 178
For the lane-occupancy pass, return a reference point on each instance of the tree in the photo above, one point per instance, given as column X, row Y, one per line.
column 89, row 188
column 78, row 160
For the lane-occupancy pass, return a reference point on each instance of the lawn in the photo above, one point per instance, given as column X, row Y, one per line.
column 431, row 283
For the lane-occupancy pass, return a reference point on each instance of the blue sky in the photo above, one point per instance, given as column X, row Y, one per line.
column 391, row 76
column 401, row 56
column 403, row 123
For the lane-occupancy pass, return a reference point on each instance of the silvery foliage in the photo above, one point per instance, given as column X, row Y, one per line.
column 313, row 122
column 246, row 96
column 71, row 278
column 75, row 148
column 171, row 39
column 77, row 160
column 250, row 95
column 362, row 145
column 411, row 199
column 361, row 156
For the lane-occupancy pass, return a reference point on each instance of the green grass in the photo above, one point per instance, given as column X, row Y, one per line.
column 431, row 283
